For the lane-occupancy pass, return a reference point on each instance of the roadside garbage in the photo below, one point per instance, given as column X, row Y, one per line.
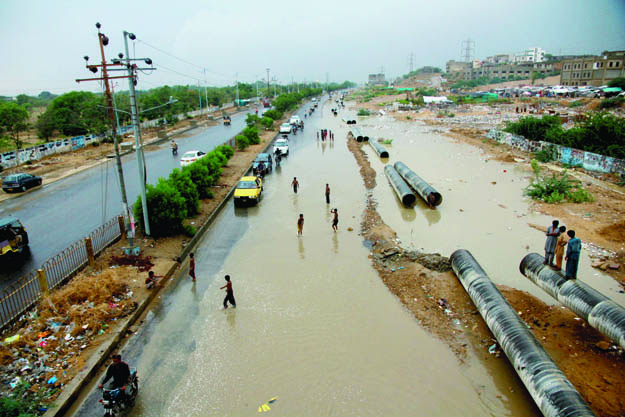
column 493, row 349
column 265, row 407
column 12, row 339
column 52, row 380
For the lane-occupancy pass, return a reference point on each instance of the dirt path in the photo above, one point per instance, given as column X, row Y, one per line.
column 440, row 304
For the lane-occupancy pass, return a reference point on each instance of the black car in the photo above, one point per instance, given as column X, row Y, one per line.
column 20, row 182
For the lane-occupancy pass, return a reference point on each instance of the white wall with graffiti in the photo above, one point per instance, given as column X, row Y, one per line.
column 574, row 157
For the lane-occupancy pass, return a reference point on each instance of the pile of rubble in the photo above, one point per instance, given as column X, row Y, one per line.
column 43, row 350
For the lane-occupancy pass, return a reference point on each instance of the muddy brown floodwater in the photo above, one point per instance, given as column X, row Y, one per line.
column 483, row 210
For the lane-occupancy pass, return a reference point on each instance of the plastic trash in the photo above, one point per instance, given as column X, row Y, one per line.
column 493, row 349
column 12, row 339
column 52, row 380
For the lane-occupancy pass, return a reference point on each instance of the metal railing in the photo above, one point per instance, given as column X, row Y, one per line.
column 27, row 290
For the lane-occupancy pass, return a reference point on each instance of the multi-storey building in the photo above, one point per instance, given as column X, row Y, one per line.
column 593, row 70
column 377, row 79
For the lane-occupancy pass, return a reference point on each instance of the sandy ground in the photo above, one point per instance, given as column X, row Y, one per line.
column 439, row 302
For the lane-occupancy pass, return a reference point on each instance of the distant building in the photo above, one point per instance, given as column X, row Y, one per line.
column 593, row 70
column 499, row 59
column 503, row 71
column 377, row 79
column 530, row 55
column 455, row 69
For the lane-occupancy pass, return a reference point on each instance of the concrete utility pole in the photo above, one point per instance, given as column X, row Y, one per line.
column 199, row 95
column 132, row 80
column 236, row 76
column 205, row 92
column 103, row 41
column 268, row 86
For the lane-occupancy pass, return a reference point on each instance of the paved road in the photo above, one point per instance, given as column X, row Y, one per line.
column 67, row 210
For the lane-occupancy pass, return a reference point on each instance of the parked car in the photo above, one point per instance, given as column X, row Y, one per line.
column 285, row 128
column 249, row 191
column 266, row 159
column 13, row 236
column 190, row 157
column 294, row 120
column 20, row 182
column 283, row 145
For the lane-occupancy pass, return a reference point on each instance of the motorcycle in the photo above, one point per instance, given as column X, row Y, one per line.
column 115, row 401
column 174, row 150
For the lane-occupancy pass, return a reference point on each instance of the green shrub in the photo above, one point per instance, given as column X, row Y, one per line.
column 188, row 116
column 166, row 207
column 23, row 401
column 242, row 142
column 546, row 154
column 576, row 103
column 533, row 128
column 226, row 150
column 252, row 119
column 273, row 114
column 610, row 103
column 363, row 112
column 267, row 123
column 181, row 180
column 189, row 230
column 199, row 175
column 213, row 164
column 408, row 118
column 556, row 188
column 251, row 133
column 210, row 194
column 219, row 156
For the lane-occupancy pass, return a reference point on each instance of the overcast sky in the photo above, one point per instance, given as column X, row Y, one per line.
column 42, row 42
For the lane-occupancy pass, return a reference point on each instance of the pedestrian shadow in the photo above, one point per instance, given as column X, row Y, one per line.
column 300, row 247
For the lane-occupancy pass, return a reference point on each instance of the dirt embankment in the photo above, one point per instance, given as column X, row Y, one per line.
column 440, row 304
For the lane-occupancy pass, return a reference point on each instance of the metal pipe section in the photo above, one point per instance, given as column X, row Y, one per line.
column 399, row 185
column 424, row 189
column 598, row 310
column 357, row 134
column 551, row 390
column 379, row 149
column 349, row 121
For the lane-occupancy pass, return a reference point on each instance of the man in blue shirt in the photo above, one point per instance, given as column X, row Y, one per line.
column 572, row 255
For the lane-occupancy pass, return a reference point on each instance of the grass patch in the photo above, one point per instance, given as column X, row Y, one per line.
column 556, row 188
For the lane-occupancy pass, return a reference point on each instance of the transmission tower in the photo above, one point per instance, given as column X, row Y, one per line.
column 468, row 48
column 411, row 62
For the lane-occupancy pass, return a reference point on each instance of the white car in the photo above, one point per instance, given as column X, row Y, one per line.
column 295, row 120
column 283, row 145
column 190, row 157
column 285, row 128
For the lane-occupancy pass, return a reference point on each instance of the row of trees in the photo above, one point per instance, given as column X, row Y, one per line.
column 174, row 199
column 599, row 132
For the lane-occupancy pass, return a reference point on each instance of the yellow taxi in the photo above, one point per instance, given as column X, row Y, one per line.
column 248, row 191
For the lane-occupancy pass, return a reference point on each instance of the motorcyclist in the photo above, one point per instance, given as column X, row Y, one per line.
column 120, row 372
column 278, row 154
column 174, row 146
column 260, row 169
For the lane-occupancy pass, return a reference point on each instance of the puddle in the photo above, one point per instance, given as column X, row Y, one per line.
column 483, row 207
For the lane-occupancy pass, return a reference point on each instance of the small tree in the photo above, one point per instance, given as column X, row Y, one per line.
column 226, row 151
column 200, row 177
column 182, row 181
column 273, row 114
column 242, row 142
column 166, row 208
column 251, row 133
column 13, row 120
column 618, row 82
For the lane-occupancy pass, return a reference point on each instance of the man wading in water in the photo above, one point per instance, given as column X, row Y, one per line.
column 229, row 293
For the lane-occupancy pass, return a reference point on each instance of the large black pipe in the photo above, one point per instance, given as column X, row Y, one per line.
column 399, row 185
column 551, row 390
column 416, row 182
column 379, row 149
column 598, row 310
column 349, row 121
column 357, row 134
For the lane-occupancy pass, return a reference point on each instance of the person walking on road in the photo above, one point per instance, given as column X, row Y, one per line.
column 317, row 135
column 335, row 220
column 229, row 293
column 550, row 244
column 559, row 253
column 300, row 224
column 192, row 266
column 572, row 255
column 295, row 184
column 327, row 194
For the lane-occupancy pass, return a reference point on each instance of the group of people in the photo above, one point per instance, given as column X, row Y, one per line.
column 325, row 134
column 334, row 211
column 557, row 238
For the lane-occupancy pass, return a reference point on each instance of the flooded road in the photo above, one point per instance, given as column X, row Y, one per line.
column 314, row 325
column 483, row 207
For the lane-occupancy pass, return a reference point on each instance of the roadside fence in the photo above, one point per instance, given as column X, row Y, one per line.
column 21, row 295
